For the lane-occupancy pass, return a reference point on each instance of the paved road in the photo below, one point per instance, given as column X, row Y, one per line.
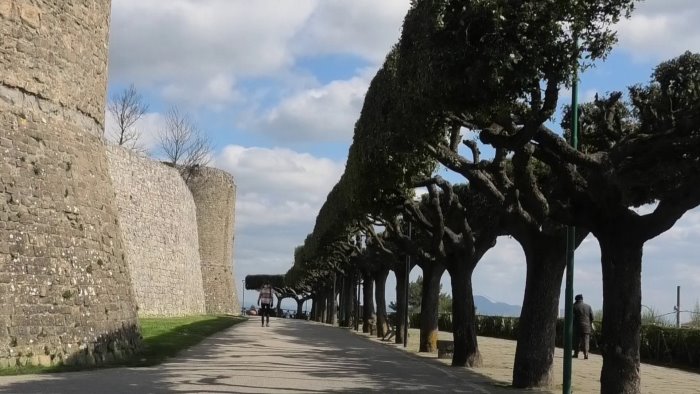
column 290, row 356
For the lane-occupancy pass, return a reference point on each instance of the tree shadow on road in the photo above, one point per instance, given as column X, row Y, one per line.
column 313, row 358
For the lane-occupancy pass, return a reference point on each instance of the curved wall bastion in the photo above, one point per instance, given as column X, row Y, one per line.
column 158, row 221
column 65, row 288
column 214, row 193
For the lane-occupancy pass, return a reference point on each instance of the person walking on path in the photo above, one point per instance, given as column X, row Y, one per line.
column 265, row 300
column 583, row 323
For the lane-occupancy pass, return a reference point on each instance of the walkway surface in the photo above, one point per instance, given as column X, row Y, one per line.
column 295, row 356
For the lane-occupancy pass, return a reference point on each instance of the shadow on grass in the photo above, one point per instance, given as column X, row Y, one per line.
column 162, row 338
column 161, row 343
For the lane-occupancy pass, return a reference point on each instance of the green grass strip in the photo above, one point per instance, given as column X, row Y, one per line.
column 162, row 338
column 165, row 337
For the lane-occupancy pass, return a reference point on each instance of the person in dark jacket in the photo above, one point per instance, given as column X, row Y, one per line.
column 583, row 322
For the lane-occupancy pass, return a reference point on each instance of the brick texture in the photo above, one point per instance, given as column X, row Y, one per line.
column 157, row 217
column 214, row 193
column 64, row 283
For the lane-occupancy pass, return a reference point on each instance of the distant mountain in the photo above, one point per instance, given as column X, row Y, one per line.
column 486, row 307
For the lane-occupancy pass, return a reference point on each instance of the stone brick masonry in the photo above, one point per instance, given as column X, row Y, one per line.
column 214, row 193
column 76, row 252
column 64, row 283
column 157, row 217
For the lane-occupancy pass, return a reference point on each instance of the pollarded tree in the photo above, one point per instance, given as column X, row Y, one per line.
column 488, row 63
column 645, row 153
column 375, row 179
column 424, row 252
column 519, row 185
column 381, row 263
column 466, row 227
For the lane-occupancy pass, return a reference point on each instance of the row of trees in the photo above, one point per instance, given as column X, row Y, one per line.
column 300, row 294
column 182, row 144
column 468, row 74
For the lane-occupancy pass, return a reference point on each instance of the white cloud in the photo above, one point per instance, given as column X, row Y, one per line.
column 279, row 193
column 661, row 29
column 280, row 174
column 365, row 28
column 185, row 44
column 192, row 51
column 322, row 114
column 500, row 275
column 213, row 93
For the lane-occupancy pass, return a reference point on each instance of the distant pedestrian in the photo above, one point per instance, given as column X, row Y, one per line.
column 265, row 300
column 583, row 322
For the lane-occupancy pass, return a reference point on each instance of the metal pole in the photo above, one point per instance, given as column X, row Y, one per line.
column 243, row 296
column 678, row 307
column 357, row 307
column 405, row 316
column 570, row 247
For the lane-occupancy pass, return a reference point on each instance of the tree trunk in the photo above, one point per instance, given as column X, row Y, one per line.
column 621, row 258
column 429, row 307
column 340, row 300
column 534, row 354
column 466, row 348
column 332, row 309
column 368, row 316
column 300, row 307
column 380, row 298
column 346, row 302
column 319, row 308
column 400, row 272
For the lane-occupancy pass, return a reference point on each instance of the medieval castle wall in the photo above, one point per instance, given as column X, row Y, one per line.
column 214, row 193
column 78, row 246
column 65, row 293
column 158, row 220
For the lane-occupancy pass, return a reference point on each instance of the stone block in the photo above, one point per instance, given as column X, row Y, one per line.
column 5, row 8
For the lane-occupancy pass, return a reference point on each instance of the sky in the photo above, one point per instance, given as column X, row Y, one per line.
column 278, row 85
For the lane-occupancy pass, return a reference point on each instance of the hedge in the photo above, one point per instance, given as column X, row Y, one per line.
column 676, row 347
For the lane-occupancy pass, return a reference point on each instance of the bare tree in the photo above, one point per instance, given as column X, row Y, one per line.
column 127, row 107
column 183, row 143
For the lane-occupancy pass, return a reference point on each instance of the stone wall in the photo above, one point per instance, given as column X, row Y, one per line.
column 65, row 293
column 158, row 221
column 214, row 193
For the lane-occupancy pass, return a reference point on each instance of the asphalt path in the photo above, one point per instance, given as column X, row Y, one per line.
column 290, row 356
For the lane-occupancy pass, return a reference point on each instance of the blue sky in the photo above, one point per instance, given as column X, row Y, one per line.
column 278, row 85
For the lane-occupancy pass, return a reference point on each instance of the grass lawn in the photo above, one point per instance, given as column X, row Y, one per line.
column 162, row 338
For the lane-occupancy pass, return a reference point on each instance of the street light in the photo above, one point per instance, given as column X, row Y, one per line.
column 570, row 246
column 408, row 269
column 357, row 305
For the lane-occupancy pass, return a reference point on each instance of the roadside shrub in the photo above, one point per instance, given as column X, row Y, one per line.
column 670, row 346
